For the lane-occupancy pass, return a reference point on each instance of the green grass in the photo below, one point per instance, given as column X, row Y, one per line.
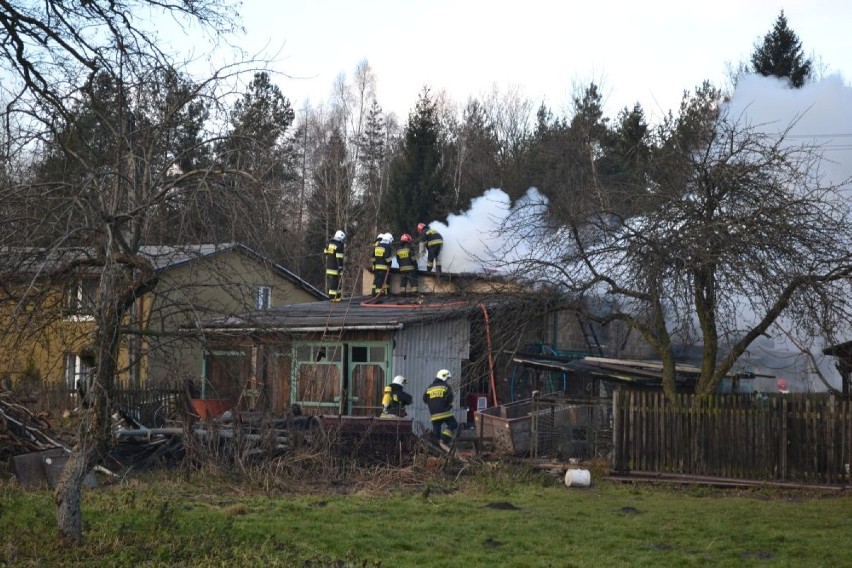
column 492, row 518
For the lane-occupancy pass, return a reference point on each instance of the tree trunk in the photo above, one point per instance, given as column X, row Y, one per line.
column 94, row 439
column 69, row 517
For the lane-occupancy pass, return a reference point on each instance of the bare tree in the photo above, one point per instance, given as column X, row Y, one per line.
column 105, row 200
column 735, row 228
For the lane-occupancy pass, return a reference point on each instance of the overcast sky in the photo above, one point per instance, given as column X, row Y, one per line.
column 648, row 51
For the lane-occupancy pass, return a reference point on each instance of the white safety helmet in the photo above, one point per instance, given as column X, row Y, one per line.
column 400, row 380
column 340, row 236
column 386, row 238
column 444, row 375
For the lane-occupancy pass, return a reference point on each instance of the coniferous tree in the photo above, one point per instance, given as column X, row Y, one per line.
column 781, row 55
column 564, row 156
column 372, row 172
column 544, row 168
column 626, row 161
column 417, row 189
column 256, row 144
column 472, row 156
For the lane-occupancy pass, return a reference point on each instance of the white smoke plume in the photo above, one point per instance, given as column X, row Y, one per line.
column 473, row 241
column 820, row 114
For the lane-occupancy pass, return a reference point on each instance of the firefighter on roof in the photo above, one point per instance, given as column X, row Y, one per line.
column 334, row 259
column 382, row 254
column 434, row 242
column 407, row 261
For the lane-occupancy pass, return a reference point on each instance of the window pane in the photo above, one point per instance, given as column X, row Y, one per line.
column 359, row 354
column 70, row 370
column 303, row 353
column 334, row 353
column 377, row 354
column 264, row 293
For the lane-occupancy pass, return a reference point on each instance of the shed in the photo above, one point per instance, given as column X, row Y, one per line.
column 336, row 357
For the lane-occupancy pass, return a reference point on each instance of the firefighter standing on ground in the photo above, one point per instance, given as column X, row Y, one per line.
column 334, row 254
column 434, row 242
column 439, row 398
column 407, row 261
column 395, row 398
column 382, row 254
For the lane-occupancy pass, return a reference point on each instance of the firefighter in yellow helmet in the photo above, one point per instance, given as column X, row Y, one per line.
column 439, row 398
column 395, row 398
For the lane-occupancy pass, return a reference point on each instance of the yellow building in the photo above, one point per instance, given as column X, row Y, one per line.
column 46, row 313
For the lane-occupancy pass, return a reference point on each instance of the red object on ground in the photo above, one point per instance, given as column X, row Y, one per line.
column 211, row 407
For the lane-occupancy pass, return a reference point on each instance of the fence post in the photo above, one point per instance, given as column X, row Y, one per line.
column 616, row 430
column 783, row 441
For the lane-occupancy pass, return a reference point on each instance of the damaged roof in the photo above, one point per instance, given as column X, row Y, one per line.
column 620, row 370
column 356, row 313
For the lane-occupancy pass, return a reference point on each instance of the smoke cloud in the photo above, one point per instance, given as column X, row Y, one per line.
column 820, row 114
column 473, row 239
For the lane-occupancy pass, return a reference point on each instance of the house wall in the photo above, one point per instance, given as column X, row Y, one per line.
column 421, row 351
column 219, row 285
column 565, row 332
column 38, row 337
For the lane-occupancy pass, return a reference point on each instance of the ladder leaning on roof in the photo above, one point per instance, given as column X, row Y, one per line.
column 590, row 336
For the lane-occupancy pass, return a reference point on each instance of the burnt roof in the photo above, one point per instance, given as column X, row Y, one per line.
column 363, row 312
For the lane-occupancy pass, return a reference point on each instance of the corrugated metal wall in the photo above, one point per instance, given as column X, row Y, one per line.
column 420, row 351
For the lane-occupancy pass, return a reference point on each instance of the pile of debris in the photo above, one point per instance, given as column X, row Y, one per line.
column 36, row 453
column 21, row 431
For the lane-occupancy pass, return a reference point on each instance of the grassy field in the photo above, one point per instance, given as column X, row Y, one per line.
column 491, row 517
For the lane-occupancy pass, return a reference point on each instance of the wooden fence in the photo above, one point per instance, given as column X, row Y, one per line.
column 804, row 438
column 149, row 405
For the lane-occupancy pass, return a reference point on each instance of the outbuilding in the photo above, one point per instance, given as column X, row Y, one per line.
column 336, row 357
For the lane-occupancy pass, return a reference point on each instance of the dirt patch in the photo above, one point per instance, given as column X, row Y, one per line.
column 503, row 506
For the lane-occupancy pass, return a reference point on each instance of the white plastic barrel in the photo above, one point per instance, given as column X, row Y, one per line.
column 578, row 478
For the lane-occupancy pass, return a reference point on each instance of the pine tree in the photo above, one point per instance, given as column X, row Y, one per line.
column 417, row 189
column 781, row 55
column 372, row 156
column 472, row 156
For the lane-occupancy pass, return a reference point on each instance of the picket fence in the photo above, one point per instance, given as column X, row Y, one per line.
column 803, row 438
column 149, row 405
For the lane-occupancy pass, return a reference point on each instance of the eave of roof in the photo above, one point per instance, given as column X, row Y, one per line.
column 352, row 314
column 623, row 370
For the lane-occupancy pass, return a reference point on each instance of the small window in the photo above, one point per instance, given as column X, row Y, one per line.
column 80, row 297
column 264, row 297
column 377, row 354
column 359, row 354
column 75, row 371
column 303, row 353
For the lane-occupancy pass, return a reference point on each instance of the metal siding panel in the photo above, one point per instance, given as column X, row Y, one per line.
column 421, row 351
